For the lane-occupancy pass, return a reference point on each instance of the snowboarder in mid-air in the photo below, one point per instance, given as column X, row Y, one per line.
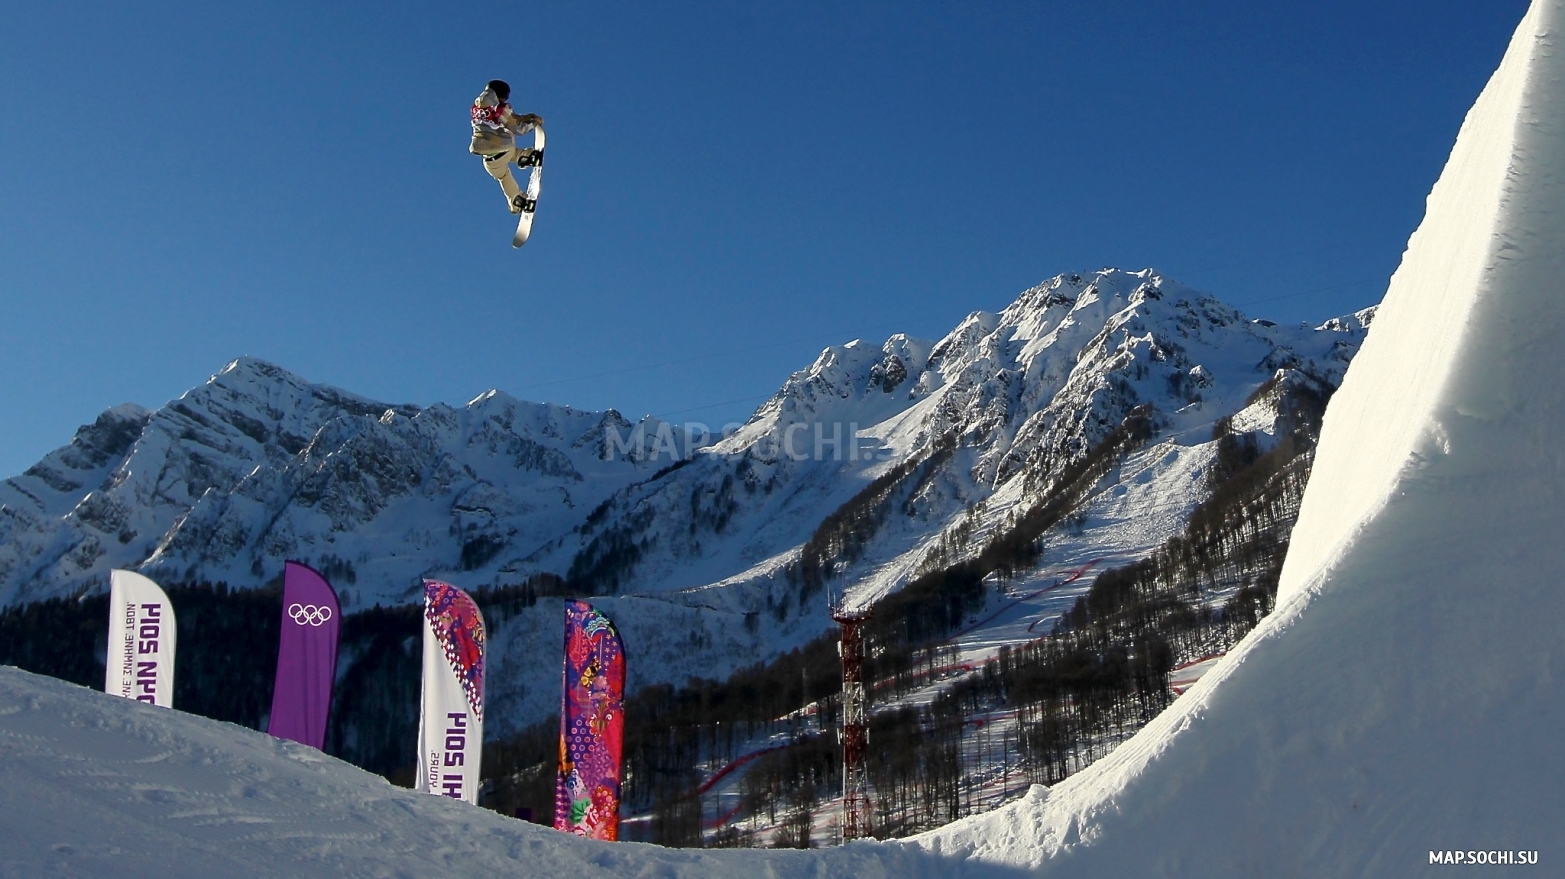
column 495, row 128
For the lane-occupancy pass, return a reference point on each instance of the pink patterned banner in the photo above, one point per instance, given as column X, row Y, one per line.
column 451, row 716
column 592, row 725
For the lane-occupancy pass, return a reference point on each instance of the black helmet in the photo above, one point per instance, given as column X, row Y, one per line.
column 501, row 89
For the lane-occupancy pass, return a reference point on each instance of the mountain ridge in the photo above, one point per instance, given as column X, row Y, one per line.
column 868, row 467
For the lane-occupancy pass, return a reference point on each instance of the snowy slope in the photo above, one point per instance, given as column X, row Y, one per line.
column 95, row 785
column 1405, row 696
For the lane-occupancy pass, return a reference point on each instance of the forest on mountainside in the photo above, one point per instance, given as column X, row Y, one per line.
column 1062, row 701
column 1058, row 703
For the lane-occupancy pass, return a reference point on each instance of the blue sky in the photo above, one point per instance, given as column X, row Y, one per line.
column 730, row 187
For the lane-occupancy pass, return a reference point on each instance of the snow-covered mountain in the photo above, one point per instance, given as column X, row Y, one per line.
column 1020, row 395
column 258, row 465
column 699, row 549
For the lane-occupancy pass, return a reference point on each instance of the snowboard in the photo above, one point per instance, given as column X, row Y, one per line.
column 524, row 223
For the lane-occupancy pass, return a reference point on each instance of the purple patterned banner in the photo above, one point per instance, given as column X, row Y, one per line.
column 306, row 657
column 592, row 725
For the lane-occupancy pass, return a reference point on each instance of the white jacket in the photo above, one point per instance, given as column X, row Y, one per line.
column 495, row 125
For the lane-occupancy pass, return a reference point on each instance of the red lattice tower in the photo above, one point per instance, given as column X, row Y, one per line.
column 855, row 725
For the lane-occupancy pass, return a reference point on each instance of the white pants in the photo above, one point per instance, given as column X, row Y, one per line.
column 499, row 168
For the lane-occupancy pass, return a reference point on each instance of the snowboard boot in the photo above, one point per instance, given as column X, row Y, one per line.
column 526, row 158
column 521, row 203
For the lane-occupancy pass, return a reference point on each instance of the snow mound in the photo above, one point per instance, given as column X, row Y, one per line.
column 96, row 785
column 1404, row 698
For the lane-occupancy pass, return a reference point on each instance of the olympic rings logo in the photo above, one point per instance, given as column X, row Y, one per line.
column 309, row 613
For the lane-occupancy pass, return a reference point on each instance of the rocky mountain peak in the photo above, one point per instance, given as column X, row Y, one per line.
column 259, row 464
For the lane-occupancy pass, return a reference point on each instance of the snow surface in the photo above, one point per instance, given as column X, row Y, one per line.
column 1405, row 696
column 94, row 785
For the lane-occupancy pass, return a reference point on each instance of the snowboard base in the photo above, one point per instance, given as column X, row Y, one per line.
column 524, row 223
